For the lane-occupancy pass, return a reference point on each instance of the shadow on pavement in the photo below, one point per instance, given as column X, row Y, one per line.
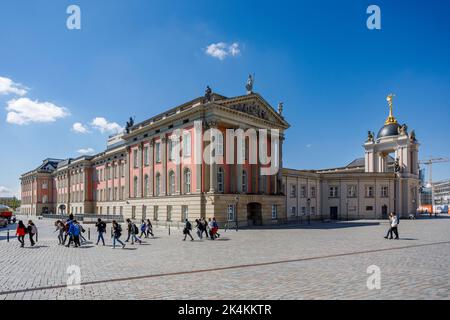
column 317, row 225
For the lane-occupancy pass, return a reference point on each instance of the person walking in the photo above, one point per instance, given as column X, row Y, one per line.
column 204, row 226
column 394, row 225
column 74, row 234
column 60, row 229
column 149, row 228
column 143, row 228
column 132, row 231
column 211, row 229
column 117, row 232
column 389, row 233
column 187, row 230
column 31, row 230
column 101, row 229
column 20, row 233
column 82, row 230
column 67, row 227
column 199, row 226
column 215, row 228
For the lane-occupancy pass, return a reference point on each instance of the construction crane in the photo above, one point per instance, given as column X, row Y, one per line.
column 429, row 162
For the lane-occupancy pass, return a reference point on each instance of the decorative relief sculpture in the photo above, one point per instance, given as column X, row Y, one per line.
column 252, row 109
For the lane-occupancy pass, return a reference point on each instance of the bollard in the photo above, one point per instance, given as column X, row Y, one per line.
column 169, row 229
column 7, row 236
column 89, row 233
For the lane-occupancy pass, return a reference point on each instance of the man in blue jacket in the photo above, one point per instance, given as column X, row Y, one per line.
column 74, row 233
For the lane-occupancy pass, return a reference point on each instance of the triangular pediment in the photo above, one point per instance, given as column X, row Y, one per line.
column 255, row 106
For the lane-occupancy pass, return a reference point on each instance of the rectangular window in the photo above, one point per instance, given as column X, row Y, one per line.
column 303, row 210
column 293, row 191
column 187, row 144
column 274, row 211
column 293, row 211
column 333, row 192
column 369, row 192
column 351, row 191
column 231, row 212
column 313, row 210
column 369, row 208
column 384, row 191
column 218, row 139
column 303, row 191
column 146, row 156
column 135, row 158
column 170, row 148
column 158, row 152
column 313, row 192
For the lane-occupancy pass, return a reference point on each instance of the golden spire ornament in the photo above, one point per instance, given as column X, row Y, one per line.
column 391, row 119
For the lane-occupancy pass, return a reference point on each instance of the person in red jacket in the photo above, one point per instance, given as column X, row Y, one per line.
column 20, row 233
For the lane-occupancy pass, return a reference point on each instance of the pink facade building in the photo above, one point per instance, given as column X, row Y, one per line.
column 161, row 168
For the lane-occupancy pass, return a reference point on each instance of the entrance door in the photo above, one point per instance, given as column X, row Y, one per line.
column 384, row 211
column 333, row 213
column 254, row 214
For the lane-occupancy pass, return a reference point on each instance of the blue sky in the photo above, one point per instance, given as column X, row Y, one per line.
column 139, row 57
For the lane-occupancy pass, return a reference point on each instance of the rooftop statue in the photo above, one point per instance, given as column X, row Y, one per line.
column 130, row 123
column 208, row 94
column 249, row 85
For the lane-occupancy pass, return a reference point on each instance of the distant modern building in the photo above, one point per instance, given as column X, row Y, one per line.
column 137, row 177
column 442, row 192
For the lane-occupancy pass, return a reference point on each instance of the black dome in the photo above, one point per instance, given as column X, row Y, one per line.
column 390, row 129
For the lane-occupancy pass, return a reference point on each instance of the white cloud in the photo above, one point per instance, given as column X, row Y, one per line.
column 221, row 50
column 79, row 128
column 103, row 126
column 86, row 151
column 234, row 49
column 7, row 86
column 6, row 192
column 23, row 111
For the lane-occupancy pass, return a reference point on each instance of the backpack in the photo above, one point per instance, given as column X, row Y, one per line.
column 33, row 229
column 119, row 228
column 135, row 229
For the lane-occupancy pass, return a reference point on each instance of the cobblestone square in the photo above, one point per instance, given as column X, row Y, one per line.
column 319, row 261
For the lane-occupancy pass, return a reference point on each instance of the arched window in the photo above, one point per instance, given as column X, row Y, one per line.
column 135, row 186
column 171, row 182
column 157, row 184
column 244, row 181
column 220, row 179
column 146, row 186
column 187, row 180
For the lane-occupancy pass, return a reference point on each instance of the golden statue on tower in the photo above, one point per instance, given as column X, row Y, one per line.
column 391, row 118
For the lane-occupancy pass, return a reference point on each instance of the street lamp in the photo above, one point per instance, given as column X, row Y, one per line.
column 347, row 208
column 236, row 211
column 309, row 210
